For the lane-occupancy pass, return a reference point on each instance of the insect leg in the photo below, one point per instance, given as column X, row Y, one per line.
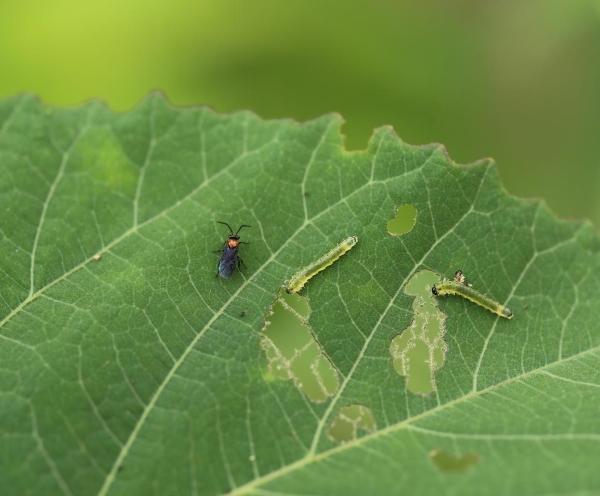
column 220, row 250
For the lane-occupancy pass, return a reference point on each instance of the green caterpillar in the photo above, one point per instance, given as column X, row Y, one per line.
column 296, row 283
column 459, row 287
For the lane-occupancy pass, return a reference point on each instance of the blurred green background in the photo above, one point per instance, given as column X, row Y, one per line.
column 518, row 80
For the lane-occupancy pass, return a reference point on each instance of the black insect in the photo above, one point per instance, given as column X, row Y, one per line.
column 230, row 260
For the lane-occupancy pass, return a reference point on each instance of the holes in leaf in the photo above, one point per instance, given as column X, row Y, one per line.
column 293, row 352
column 449, row 462
column 404, row 221
column 351, row 421
column 420, row 350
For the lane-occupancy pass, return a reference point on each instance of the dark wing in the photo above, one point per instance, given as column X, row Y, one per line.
column 228, row 262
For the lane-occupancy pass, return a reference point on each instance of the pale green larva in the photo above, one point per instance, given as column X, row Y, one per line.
column 297, row 282
column 459, row 287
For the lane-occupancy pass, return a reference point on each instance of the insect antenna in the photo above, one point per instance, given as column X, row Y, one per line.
column 225, row 224
column 240, row 228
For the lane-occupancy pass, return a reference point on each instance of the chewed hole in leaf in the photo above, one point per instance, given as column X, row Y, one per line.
column 404, row 220
column 292, row 351
column 420, row 350
column 350, row 422
column 298, row 304
column 449, row 462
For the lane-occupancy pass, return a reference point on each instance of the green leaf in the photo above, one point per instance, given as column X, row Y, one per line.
column 127, row 368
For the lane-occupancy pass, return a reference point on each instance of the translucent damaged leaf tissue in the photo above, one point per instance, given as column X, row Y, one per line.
column 128, row 368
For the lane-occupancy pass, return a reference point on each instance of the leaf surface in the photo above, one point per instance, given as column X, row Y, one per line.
column 128, row 368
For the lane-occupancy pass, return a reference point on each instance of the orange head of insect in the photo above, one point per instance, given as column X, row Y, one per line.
column 233, row 241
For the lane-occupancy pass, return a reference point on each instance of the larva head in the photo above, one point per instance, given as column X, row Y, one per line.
column 434, row 290
column 507, row 313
